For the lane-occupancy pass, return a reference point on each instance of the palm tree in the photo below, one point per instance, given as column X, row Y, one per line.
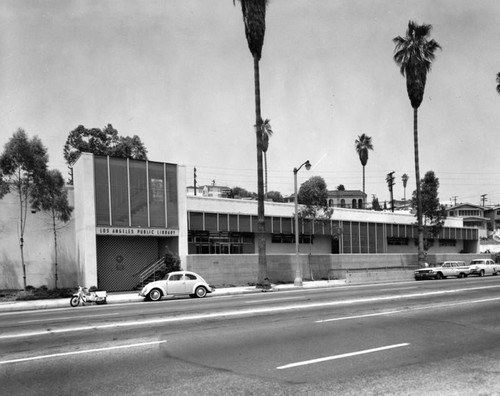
column 405, row 178
column 363, row 144
column 254, row 18
column 414, row 54
column 267, row 132
column 498, row 82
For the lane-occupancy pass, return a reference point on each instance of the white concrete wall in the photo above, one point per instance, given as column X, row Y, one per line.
column 85, row 230
column 39, row 254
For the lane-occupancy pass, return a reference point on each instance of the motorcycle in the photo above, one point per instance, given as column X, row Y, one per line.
column 84, row 296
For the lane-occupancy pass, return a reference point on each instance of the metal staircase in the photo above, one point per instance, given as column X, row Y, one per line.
column 150, row 273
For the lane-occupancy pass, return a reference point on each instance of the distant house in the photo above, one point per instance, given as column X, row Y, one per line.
column 352, row 199
column 210, row 190
column 493, row 215
column 472, row 215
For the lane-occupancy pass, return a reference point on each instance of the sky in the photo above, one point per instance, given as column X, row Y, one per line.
column 178, row 73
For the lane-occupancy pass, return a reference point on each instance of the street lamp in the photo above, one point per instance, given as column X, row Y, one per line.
column 298, row 267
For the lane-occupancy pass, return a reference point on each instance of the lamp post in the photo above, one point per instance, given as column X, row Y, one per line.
column 298, row 267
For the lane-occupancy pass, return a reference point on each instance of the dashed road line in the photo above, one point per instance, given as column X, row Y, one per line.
column 55, row 355
column 435, row 306
column 344, row 355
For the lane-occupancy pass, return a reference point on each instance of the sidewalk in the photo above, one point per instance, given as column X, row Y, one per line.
column 133, row 296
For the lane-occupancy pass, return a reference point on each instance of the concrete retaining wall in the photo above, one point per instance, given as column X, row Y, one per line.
column 355, row 268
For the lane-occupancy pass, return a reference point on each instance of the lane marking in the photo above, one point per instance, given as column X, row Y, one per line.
column 344, row 355
column 436, row 306
column 399, row 288
column 357, row 316
column 243, row 312
column 273, row 299
column 65, row 318
column 80, row 352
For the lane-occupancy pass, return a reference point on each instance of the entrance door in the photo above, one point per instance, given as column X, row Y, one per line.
column 335, row 246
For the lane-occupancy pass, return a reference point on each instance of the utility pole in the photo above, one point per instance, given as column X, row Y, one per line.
column 194, row 175
column 483, row 198
column 454, row 199
column 390, row 182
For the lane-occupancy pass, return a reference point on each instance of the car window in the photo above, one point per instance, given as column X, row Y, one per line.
column 175, row 277
column 190, row 277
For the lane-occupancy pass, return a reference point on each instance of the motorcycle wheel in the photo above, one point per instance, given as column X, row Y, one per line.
column 74, row 301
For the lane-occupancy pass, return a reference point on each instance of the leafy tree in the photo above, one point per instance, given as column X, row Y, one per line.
column 254, row 18
column 313, row 197
column 242, row 193
column 267, row 132
column 433, row 212
column 313, row 192
column 340, row 187
column 275, row 196
column 129, row 147
column 363, row 144
column 104, row 141
column 23, row 165
column 376, row 204
column 51, row 197
column 498, row 83
column 92, row 140
column 414, row 54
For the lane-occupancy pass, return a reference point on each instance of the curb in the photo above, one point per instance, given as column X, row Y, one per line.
column 121, row 298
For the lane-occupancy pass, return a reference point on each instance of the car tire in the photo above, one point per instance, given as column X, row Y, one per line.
column 481, row 273
column 200, row 292
column 439, row 275
column 461, row 275
column 154, row 295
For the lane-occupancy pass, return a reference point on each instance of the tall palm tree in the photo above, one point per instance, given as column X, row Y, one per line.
column 405, row 178
column 414, row 54
column 267, row 132
column 498, row 82
column 363, row 144
column 254, row 18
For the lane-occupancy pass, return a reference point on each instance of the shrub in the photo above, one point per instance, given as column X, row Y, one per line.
column 172, row 262
column 43, row 293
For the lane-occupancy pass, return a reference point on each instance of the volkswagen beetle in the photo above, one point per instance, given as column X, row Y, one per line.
column 176, row 283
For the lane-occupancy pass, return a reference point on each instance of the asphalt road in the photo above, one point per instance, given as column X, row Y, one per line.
column 412, row 338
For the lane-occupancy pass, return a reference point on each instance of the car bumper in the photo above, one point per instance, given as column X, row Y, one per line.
column 425, row 276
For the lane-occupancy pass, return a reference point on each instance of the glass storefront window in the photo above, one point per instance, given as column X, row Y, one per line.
column 156, row 194
column 138, row 193
column 119, row 191
column 101, row 191
column 172, row 209
column 142, row 193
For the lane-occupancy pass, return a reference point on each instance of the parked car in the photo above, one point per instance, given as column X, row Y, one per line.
column 482, row 267
column 443, row 270
column 176, row 283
